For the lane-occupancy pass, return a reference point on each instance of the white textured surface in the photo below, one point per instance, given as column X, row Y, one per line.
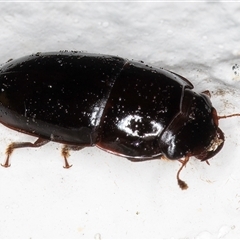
column 104, row 196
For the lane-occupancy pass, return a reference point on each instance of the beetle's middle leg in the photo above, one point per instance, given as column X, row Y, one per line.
column 66, row 154
column 38, row 143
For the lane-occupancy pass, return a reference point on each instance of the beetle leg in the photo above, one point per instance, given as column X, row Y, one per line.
column 181, row 183
column 206, row 92
column 181, row 161
column 38, row 143
column 66, row 154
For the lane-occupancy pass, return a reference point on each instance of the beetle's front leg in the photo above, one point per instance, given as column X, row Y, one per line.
column 181, row 183
column 38, row 143
column 66, row 154
column 207, row 92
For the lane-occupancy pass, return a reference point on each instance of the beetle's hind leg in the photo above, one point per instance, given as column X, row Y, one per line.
column 66, row 154
column 38, row 143
column 181, row 183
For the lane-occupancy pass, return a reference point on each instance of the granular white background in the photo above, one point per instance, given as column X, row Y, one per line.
column 105, row 196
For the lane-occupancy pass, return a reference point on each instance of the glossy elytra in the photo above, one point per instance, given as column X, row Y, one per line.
column 124, row 107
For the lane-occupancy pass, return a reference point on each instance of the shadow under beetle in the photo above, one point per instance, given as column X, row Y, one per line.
column 124, row 107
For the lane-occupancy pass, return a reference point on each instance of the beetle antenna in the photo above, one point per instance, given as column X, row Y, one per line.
column 231, row 115
column 181, row 183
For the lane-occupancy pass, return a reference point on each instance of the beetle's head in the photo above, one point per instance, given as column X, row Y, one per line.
column 215, row 146
column 216, row 143
column 194, row 131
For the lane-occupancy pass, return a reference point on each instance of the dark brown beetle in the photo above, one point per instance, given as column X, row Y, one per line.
column 123, row 107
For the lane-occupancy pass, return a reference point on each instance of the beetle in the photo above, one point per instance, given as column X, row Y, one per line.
column 124, row 107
